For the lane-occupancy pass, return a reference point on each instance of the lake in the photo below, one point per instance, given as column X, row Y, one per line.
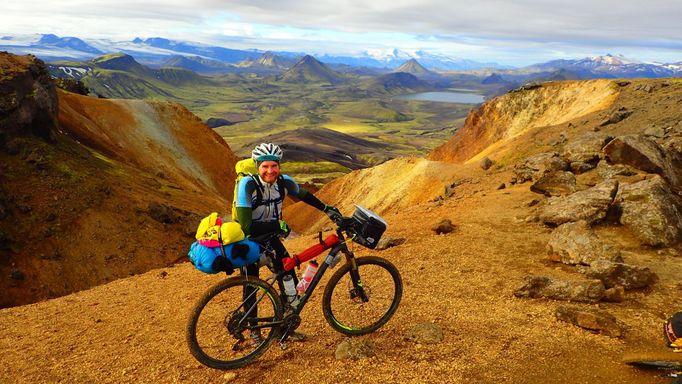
column 445, row 97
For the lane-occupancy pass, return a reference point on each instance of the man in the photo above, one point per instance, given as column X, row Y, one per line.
column 258, row 209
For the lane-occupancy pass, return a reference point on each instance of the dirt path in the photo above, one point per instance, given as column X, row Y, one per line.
column 132, row 330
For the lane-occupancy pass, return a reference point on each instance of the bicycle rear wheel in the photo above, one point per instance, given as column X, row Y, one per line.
column 222, row 330
column 357, row 302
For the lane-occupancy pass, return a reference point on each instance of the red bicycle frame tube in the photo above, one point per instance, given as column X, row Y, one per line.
column 290, row 262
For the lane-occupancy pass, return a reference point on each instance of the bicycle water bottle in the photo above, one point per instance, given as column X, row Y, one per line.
column 307, row 277
column 290, row 290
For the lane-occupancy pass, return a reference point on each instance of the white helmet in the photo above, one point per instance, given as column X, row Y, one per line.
column 266, row 151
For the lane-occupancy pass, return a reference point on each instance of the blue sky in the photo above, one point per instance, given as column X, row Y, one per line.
column 508, row 32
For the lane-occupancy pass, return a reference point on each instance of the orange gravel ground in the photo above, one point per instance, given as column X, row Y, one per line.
column 132, row 329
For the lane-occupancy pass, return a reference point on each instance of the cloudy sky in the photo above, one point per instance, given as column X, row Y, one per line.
column 514, row 32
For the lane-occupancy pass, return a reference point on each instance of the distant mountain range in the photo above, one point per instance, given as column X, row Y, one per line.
column 610, row 66
column 156, row 50
column 159, row 52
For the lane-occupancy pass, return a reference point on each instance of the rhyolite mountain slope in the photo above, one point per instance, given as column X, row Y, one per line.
column 94, row 190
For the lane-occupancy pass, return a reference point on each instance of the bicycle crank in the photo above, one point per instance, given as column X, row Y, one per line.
column 290, row 323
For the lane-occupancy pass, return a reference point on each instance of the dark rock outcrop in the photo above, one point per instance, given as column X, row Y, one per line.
column 28, row 100
column 73, row 86
column 651, row 211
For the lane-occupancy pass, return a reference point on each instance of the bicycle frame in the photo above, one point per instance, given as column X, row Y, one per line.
column 339, row 247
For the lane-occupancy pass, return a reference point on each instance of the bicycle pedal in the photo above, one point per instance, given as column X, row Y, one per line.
column 283, row 345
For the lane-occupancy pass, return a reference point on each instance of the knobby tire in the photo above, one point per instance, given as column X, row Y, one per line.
column 212, row 312
column 384, row 286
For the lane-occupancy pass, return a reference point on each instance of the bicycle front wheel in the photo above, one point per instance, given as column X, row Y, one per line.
column 229, row 328
column 359, row 300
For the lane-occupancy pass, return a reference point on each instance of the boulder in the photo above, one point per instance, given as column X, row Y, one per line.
column 620, row 274
column 425, row 333
column 614, row 294
column 673, row 150
column 555, row 183
column 644, row 154
column 162, row 213
column 575, row 243
column 486, row 163
column 536, row 166
column 656, row 132
column 28, row 97
column 590, row 205
column 590, row 291
column 445, row 226
column 609, row 171
column 388, row 242
column 354, row 349
column 616, row 116
column 590, row 318
column 651, row 211
column 585, row 152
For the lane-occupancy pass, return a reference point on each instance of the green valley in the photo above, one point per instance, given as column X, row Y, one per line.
column 289, row 107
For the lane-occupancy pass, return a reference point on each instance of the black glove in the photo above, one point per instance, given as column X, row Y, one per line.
column 222, row 264
column 332, row 212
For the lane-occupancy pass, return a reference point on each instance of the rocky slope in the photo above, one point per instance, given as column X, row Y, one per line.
column 113, row 191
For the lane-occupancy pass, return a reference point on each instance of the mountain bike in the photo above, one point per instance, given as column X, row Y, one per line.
column 360, row 297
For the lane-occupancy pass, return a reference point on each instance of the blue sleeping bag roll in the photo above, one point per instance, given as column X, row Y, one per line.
column 240, row 254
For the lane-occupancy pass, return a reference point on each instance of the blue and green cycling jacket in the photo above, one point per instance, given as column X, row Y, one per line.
column 262, row 216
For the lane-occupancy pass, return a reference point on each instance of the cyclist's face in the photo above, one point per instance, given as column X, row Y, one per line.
column 269, row 171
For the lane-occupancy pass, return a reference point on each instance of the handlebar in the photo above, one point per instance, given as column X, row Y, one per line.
column 344, row 223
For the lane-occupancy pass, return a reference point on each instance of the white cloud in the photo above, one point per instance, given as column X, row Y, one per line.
column 494, row 29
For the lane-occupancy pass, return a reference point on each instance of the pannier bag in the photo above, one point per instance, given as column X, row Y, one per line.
column 368, row 227
column 212, row 231
column 239, row 254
